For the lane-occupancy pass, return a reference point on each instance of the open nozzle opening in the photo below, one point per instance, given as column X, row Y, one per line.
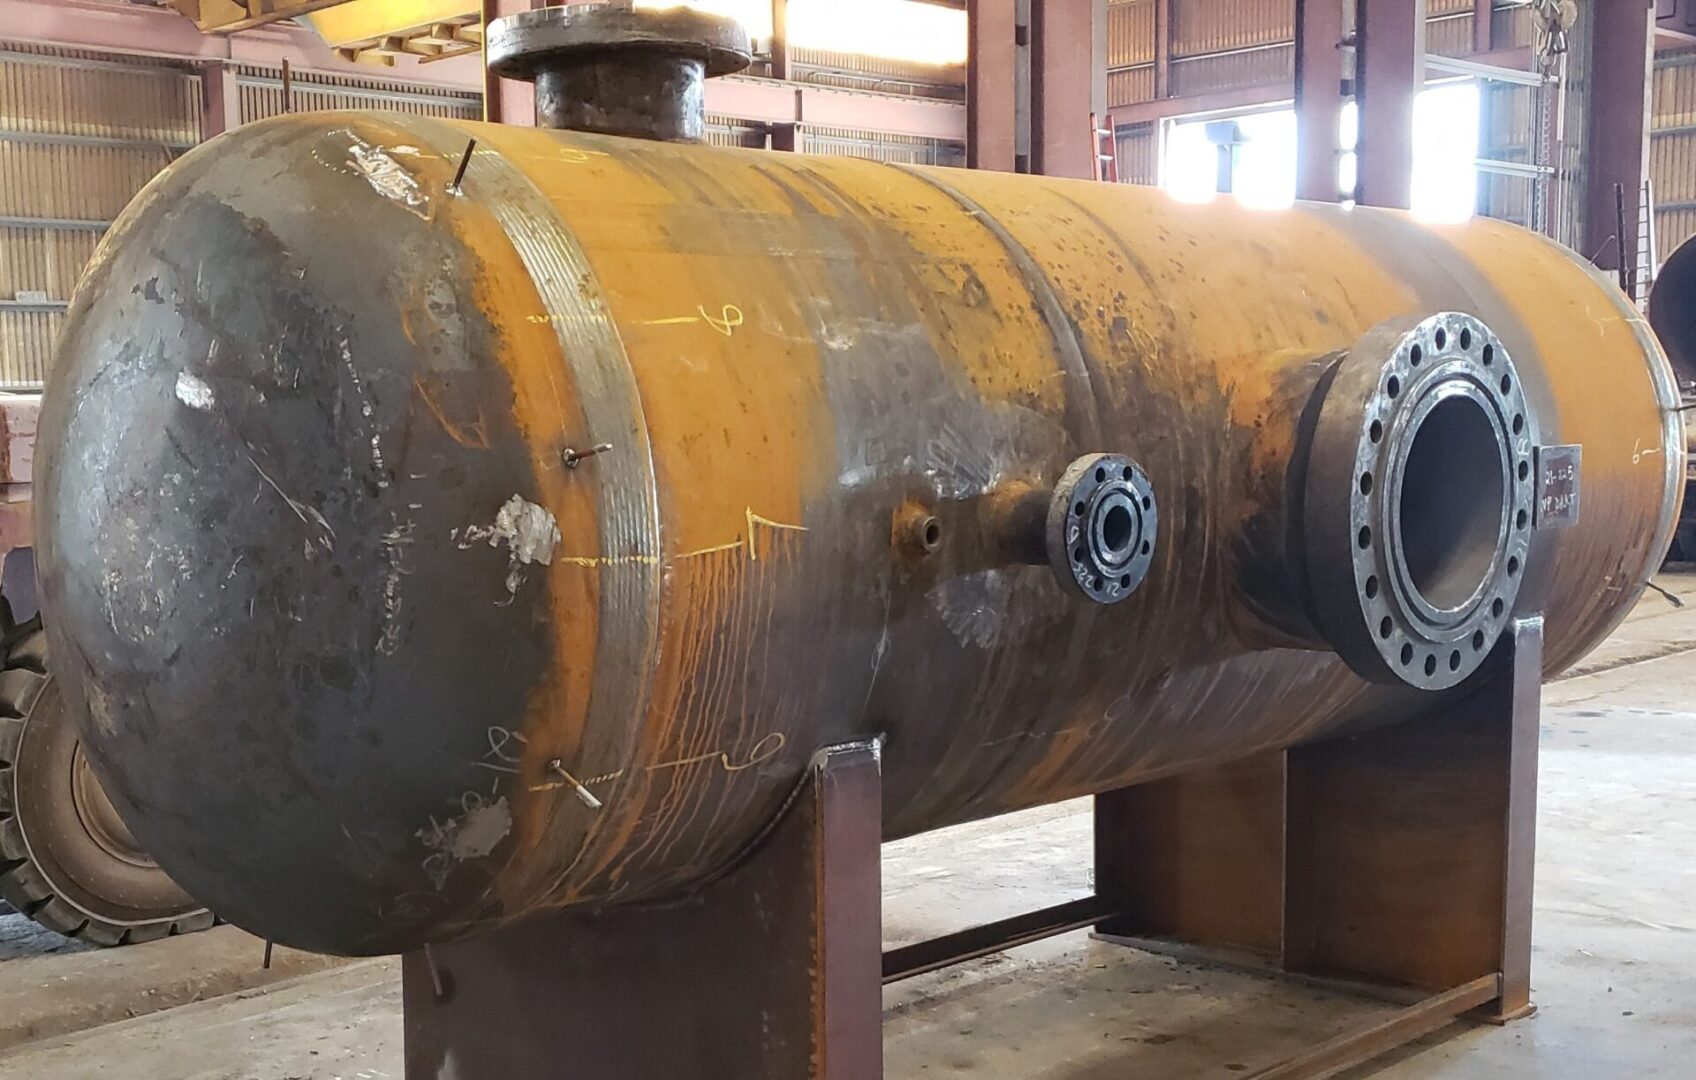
column 1418, row 500
column 1452, row 510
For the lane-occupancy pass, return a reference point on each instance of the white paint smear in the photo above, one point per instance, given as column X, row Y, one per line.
column 529, row 532
column 194, row 392
column 479, row 831
column 473, row 836
column 528, row 529
column 386, row 176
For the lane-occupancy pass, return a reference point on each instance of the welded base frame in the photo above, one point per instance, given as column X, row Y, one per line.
column 772, row 971
column 1401, row 858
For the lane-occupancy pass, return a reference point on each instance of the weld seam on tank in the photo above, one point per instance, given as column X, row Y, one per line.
column 1082, row 407
column 626, row 491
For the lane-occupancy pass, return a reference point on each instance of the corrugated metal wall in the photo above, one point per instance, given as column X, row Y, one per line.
column 1507, row 114
column 859, row 72
column 261, row 92
column 1130, row 51
column 882, row 75
column 905, row 149
column 1672, row 150
column 1139, row 154
column 79, row 136
column 80, row 133
column 729, row 131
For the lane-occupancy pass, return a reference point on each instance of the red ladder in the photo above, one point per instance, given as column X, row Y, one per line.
column 1106, row 147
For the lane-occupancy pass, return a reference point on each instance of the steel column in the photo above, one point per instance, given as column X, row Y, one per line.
column 506, row 101
column 1163, row 49
column 783, row 136
column 220, row 100
column 1390, row 69
column 1319, row 97
column 991, row 94
column 1069, row 82
column 1618, row 143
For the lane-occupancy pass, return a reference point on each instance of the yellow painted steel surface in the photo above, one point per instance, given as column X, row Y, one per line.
column 784, row 351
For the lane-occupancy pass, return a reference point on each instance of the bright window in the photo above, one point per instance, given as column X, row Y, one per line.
column 1260, row 149
column 1258, row 156
column 894, row 29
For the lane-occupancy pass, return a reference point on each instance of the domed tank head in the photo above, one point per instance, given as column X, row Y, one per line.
column 291, row 528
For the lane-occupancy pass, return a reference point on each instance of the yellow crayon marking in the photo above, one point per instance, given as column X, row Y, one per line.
column 733, row 545
column 750, row 541
column 753, row 519
column 608, row 560
column 764, row 750
column 726, row 321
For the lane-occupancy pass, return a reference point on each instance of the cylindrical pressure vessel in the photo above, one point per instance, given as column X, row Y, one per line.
column 425, row 555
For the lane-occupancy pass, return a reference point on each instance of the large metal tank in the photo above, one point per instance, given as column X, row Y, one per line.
column 375, row 649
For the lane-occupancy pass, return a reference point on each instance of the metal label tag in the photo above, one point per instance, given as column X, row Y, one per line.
column 1558, row 470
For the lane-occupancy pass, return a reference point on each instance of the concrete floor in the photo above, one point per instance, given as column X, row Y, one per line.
column 1614, row 959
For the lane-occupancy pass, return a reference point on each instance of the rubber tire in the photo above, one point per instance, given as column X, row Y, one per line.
column 1684, row 539
column 37, row 803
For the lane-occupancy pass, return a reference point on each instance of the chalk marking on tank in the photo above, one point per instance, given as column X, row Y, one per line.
column 767, row 748
column 393, row 549
column 365, row 411
column 307, row 514
column 473, row 436
column 753, row 539
column 725, row 322
column 753, row 519
column 194, row 391
column 881, row 651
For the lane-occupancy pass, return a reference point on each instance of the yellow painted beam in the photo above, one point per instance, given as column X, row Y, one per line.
column 227, row 16
column 365, row 20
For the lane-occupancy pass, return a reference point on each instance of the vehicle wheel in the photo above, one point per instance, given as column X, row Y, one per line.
column 66, row 859
column 1684, row 542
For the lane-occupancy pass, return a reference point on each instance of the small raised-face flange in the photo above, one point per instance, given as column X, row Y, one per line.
column 1419, row 498
column 1102, row 527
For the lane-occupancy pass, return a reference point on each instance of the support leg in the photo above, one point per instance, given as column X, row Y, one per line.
column 771, row 971
column 1402, row 855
